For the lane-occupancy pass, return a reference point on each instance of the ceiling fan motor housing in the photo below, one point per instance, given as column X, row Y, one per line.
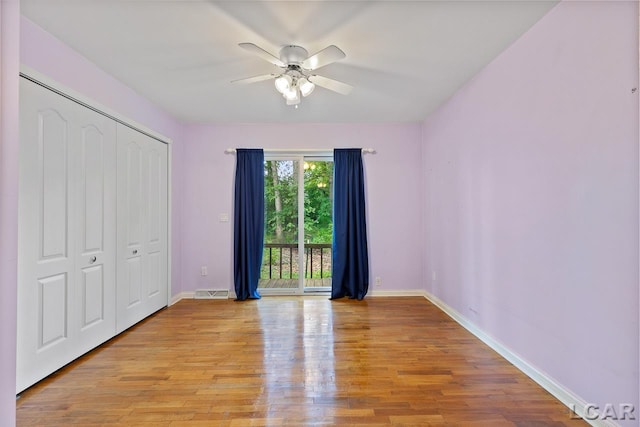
column 292, row 54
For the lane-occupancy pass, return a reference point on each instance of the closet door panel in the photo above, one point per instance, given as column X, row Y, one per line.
column 95, row 166
column 92, row 191
column 133, row 187
column 53, row 174
column 52, row 311
column 93, row 297
column 56, row 299
column 131, row 307
column 154, row 275
column 142, row 236
column 156, row 221
column 45, row 267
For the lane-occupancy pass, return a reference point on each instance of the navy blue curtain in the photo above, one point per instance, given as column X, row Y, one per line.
column 248, row 224
column 350, row 261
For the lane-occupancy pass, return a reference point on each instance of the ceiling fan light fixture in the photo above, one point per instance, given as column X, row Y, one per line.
column 294, row 80
column 283, row 83
column 292, row 96
column 295, row 101
column 306, row 87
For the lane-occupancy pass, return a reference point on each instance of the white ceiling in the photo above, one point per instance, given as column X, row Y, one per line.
column 404, row 58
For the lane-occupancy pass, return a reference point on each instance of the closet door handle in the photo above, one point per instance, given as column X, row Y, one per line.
column 93, row 259
column 135, row 251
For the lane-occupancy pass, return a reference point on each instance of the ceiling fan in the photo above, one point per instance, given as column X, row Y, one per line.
column 297, row 78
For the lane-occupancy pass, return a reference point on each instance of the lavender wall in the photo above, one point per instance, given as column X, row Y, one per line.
column 9, row 42
column 531, row 199
column 44, row 53
column 394, row 217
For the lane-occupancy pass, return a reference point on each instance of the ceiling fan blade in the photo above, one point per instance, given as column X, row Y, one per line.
column 326, row 56
column 256, row 50
column 334, row 85
column 255, row 79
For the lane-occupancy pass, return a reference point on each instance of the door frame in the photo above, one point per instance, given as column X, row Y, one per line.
column 300, row 156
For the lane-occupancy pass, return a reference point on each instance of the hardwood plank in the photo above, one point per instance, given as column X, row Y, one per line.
column 293, row 361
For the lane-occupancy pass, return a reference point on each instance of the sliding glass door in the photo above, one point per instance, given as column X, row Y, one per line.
column 280, row 259
column 318, row 223
column 298, row 224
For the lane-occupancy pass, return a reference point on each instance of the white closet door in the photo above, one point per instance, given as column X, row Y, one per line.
column 142, row 226
column 66, row 260
column 156, row 235
column 95, row 163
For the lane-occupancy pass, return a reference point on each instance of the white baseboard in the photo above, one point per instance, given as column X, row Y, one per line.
column 372, row 293
column 181, row 295
column 564, row 395
column 404, row 293
column 191, row 295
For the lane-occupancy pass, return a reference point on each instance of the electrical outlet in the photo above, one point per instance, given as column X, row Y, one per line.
column 223, row 217
column 203, row 270
column 378, row 281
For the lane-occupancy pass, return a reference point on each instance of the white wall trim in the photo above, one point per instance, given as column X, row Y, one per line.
column 169, row 221
column 399, row 293
column 637, row 140
column 374, row 293
column 567, row 397
column 182, row 295
column 191, row 295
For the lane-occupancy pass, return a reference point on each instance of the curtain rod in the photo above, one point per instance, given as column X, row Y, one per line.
column 305, row 150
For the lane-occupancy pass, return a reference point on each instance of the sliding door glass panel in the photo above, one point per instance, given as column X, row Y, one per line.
column 318, row 223
column 280, row 260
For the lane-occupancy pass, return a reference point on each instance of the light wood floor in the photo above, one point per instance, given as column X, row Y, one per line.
column 301, row 361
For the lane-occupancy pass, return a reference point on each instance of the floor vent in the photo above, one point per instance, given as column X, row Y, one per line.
column 211, row 294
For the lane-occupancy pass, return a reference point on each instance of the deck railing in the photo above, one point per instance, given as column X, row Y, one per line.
column 278, row 259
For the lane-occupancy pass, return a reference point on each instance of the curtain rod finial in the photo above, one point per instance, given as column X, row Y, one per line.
column 230, row 151
column 369, row 150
